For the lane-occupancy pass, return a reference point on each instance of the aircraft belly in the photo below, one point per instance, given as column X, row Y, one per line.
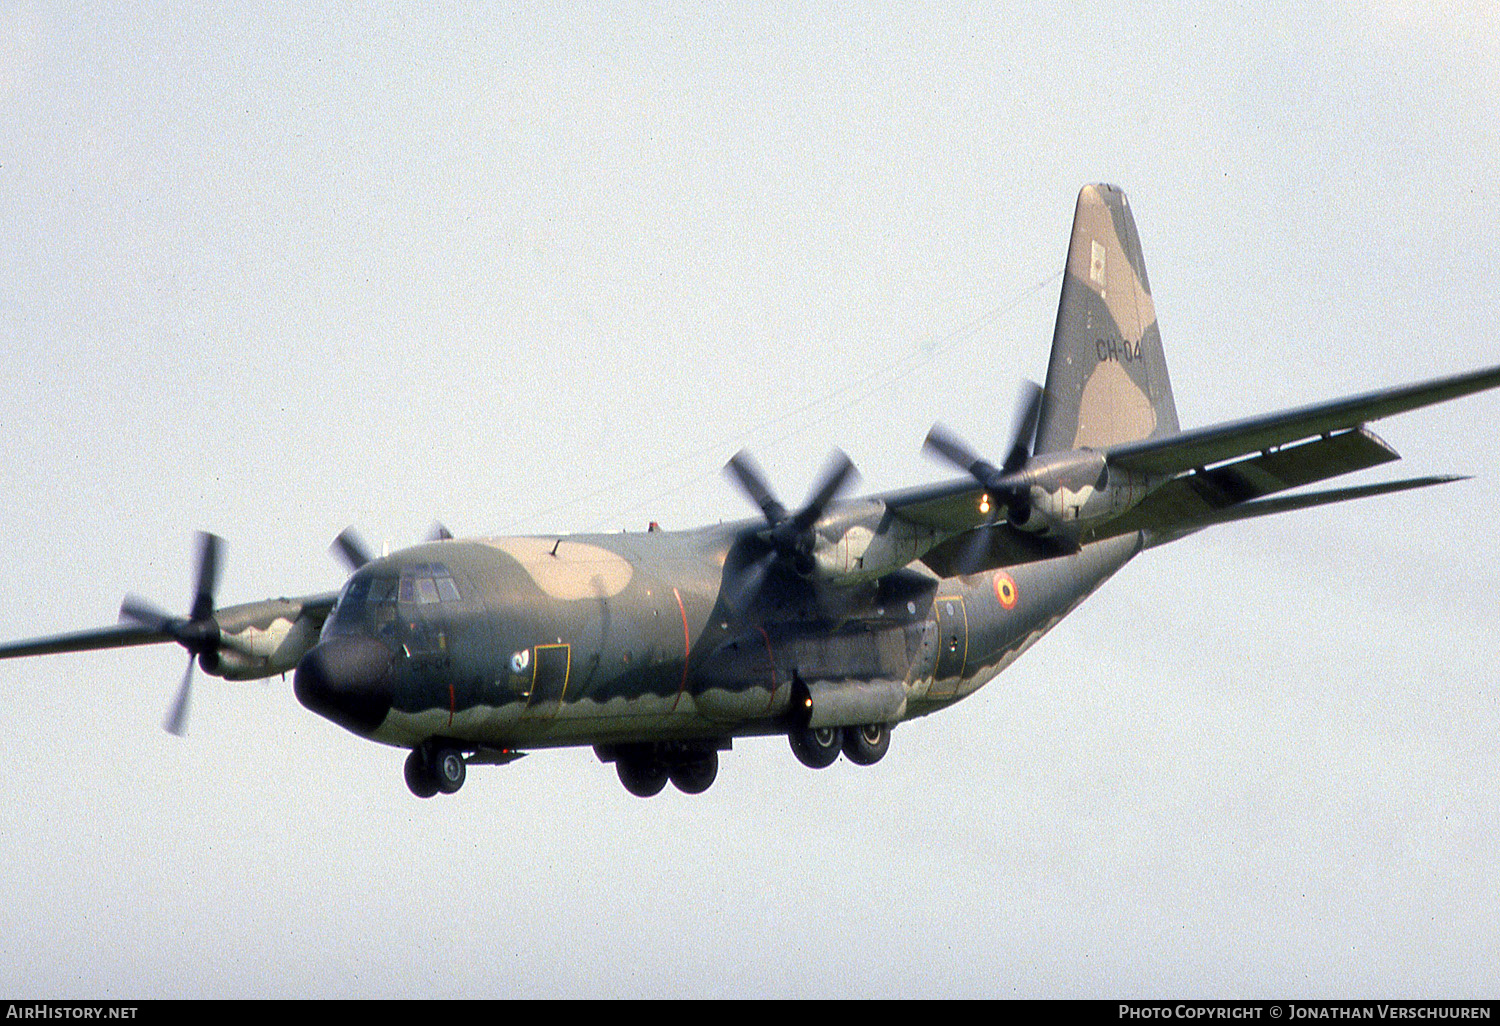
column 644, row 718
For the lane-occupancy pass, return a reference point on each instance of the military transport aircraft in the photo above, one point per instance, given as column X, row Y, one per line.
column 829, row 624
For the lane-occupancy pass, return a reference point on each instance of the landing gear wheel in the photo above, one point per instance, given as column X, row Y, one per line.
column 643, row 776
column 816, row 747
column 417, row 777
column 866, row 745
column 448, row 770
column 695, row 775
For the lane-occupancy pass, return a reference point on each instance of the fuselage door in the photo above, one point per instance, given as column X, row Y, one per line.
column 551, row 666
column 953, row 644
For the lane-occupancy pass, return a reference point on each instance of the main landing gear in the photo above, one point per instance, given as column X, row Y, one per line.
column 644, row 769
column 818, row 747
column 434, row 767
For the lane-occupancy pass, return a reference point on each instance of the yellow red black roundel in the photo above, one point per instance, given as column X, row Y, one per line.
column 1005, row 589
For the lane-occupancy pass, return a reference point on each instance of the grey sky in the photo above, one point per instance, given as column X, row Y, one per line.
column 273, row 270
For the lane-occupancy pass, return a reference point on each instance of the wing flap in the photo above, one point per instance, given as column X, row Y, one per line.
column 987, row 547
column 1199, row 495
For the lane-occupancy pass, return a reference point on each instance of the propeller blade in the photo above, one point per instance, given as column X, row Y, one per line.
column 742, row 469
column 969, row 552
column 209, row 546
column 1023, row 430
column 176, row 721
column 198, row 632
column 351, row 548
column 791, row 537
column 1007, row 483
column 739, row 591
column 839, row 474
column 953, row 449
column 143, row 613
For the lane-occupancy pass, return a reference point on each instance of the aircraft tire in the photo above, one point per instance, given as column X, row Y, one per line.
column 817, row 747
column 448, row 770
column 695, row 775
column 417, row 777
column 866, row 745
column 642, row 777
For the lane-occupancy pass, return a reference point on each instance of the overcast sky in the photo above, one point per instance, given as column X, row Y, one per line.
column 270, row 271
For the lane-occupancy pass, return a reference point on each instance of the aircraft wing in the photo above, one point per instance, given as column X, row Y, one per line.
column 1201, row 497
column 233, row 622
column 1188, row 450
column 1207, row 483
column 1286, row 504
column 84, row 641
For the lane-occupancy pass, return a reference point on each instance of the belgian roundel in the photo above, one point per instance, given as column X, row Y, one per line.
column 1005, row 589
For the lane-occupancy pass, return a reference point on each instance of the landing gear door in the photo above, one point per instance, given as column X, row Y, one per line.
column 953, row 644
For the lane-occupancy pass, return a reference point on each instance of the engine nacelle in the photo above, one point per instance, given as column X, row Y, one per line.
column 261, row 648
column 859, row 543
column 1066, row 490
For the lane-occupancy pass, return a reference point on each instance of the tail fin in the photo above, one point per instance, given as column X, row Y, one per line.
column 1107, row 380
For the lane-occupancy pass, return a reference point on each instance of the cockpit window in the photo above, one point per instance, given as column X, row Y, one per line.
column 382, row 589
column 370, row 603
column 427, row 584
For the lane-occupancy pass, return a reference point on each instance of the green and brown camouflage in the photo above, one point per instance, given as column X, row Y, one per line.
column 830, row 625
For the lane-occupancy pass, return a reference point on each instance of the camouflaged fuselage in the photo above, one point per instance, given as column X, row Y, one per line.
column 515, row 643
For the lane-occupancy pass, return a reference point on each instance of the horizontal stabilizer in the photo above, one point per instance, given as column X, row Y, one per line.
column 1201, row 447
column 1289, row 503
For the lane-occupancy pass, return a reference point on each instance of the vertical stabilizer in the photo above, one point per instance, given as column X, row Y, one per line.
column 1107, row 380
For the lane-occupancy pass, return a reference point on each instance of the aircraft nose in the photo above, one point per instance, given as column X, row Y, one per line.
column 347, row 680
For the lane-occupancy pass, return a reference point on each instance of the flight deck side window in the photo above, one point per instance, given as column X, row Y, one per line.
column 367, row 604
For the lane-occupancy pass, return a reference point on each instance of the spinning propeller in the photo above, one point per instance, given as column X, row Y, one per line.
column 791, row 536
column 351, row 548
column 1007, row 484
column 198, row 632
